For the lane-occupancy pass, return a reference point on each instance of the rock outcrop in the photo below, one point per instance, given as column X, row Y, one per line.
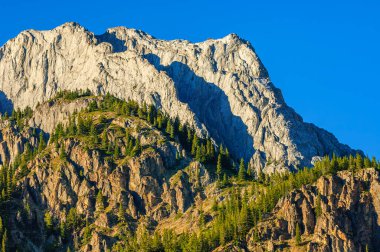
column 218, row 86
column 13, row 142
column 347, row 219
column 151, row 186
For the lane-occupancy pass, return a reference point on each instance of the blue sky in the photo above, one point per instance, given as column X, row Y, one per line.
column 323, row 55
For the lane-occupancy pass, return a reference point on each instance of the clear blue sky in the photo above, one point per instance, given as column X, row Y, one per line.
column 323, row 55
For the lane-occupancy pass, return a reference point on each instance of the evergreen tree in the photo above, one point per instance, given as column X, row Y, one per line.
column 86, row 233
column 63, row 230
column 202, row 218
column 4, row 242
column 359, row 161
column 374, row 162
column 249, row 171
column 62, row 152
column 172, row 132
column 241, row 174
column 104, row 140
column 116, row 152
column 168, row 127
column 9, row 182
column 194, row 145
column 72, row 219
column 318, row 207
column 48, row 221
column 99, row 202
column 225, row 179
column 298, row 235
column 140, row 113
column 1, row 226
column 121, row 213
column 219, row 167
column 367, row 162
column 41, row 142
column 334, row 165
column 94, row 134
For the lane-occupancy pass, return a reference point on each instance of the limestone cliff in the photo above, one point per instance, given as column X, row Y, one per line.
column 348, row 219
column 218, row 86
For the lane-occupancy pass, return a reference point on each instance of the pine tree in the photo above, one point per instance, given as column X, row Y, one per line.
column 9, row 182
column 63, row 229
column 86, row 233
column 1, row 226
column 104, row 140
column 367, row 162
column 99, row 202
column 116, row 152
column 140, row 113
column 298, row 235
column 168, row 127
column 243, row 219
column 318, row 207
column 194, row 145
column 136, row 149
column 249, row 171
column 4, row 242
column 41, row 142
column 351, row 162
column 62, row 152
column 241, row 174
column 198, row 154
column 359, row 161
column 94, row 134
column 374, row 162
column 219, row 167
column 48, row 221
column 121, row 213
column 81, row 126
column 334, row 165
column 159, row 122
column 72, row 219
column 225, row 179
column 171, row 132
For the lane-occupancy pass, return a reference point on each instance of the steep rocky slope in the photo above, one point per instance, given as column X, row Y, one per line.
column 218, row 86
column 68, row 175
column 347, row 219
column 95, row 173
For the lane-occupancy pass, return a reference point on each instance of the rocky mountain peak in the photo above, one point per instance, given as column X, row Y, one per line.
column 220, row 87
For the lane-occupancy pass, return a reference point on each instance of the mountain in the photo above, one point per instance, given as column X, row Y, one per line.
column 219, row 87
column 113, row 175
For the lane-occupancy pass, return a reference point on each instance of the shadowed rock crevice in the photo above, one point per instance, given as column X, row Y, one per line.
column 118, row 45
column 6, row 104
column 211, row 106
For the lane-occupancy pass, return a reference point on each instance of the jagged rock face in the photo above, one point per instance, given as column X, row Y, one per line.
column 147, row 186
column 349, row 220
column 218, row 86
column 49, row 114
column 13, row 142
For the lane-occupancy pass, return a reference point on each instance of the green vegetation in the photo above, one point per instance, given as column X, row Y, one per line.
column 72, row 95
column 236, row 215
column 248, row 197
column 298, row 235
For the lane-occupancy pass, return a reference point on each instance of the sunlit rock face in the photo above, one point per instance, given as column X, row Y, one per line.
column 220, row 87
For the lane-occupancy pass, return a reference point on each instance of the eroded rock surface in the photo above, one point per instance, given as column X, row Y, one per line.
column 349, row 218
column 218, row 86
